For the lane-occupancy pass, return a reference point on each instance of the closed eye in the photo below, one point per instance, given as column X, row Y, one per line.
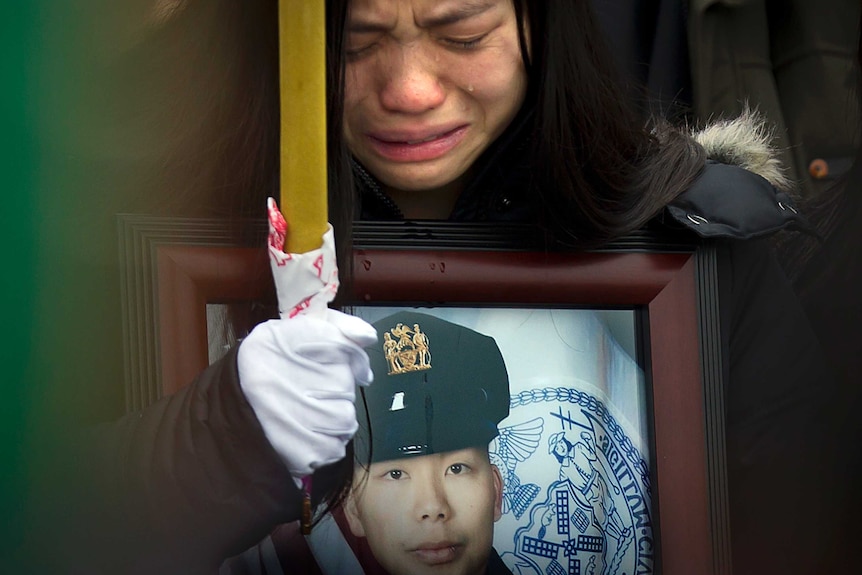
column 355, row 53
column 464, row 44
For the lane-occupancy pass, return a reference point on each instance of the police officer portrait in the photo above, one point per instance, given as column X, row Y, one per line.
column 428, row 496
column 494, row 441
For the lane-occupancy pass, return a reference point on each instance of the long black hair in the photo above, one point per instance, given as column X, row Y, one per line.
column 599, row 171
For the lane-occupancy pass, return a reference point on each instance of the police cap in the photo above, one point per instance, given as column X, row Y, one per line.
column 438, row 387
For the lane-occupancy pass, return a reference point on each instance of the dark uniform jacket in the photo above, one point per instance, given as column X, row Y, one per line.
column 191, row 480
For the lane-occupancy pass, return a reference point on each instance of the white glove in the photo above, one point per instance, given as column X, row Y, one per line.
column 299, row 375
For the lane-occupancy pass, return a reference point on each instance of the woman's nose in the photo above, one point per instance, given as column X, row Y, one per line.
column 412, row 84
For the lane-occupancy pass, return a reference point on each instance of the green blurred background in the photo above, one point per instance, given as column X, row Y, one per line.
column 107, row 108
column 19, row 164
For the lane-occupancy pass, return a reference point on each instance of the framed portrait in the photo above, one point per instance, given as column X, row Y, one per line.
column 612, row 452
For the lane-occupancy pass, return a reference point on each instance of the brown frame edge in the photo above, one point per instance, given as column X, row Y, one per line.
column 180, row 271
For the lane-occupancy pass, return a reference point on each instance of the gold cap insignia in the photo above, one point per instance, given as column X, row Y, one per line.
column 406, row 349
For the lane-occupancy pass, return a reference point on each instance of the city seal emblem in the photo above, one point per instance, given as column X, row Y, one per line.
column 593, row 517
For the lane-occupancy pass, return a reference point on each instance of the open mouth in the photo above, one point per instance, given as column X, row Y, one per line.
column 417, row 149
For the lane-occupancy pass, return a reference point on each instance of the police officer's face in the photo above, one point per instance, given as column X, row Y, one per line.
column 429, row 85
column 428, row 514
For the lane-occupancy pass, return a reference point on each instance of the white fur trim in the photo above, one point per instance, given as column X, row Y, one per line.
column 745, row 141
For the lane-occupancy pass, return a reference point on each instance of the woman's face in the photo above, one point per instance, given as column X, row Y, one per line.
column 430, row 84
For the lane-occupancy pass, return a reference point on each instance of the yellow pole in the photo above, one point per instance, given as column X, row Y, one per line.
column 302, row 65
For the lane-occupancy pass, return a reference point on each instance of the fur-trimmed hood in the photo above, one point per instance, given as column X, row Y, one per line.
column 742, row 192
column 745, row 141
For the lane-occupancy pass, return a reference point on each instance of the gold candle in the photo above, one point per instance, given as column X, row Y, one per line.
column 302, row 66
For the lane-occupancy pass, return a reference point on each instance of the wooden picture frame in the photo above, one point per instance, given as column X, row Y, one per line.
column 172, row 268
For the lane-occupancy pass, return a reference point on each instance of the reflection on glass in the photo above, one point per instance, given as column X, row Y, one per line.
column 219, row 331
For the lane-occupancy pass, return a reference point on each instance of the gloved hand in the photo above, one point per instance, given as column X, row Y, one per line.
column 299, row 375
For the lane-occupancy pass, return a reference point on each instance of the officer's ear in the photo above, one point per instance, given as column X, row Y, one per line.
column 352, row 514
column 498, row 492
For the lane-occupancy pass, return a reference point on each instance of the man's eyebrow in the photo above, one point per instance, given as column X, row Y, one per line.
column 457, row 13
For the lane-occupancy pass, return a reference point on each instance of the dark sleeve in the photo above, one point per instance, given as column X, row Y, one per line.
column 177, row 487
column 783, row 422
column 496, row 565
